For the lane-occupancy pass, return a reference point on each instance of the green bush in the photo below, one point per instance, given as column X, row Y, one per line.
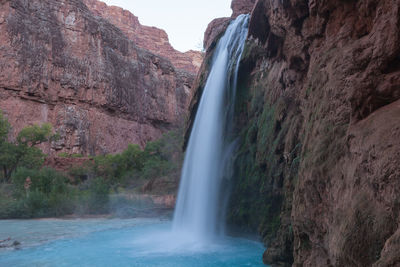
column 99, row 195
column 63, row 155
column 47, row 194
column 93, row 198
column 156, row 167
column 80, row 174
column 61, row 204
column 33, row 158
column 4, row 128
column 46, row 180
column 11, row 208
column 23, row 152
column 159, row 158
column 35, row 204
column 133, row 158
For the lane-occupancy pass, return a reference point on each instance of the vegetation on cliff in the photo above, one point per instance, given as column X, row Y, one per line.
column 23, row 152
column 31, row 190
column 316, row 171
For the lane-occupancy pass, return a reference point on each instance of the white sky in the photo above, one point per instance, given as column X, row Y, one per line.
column 185, row 21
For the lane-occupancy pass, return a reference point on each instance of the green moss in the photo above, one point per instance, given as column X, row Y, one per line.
column 266, row 130
column 254, row 210
column 270, row 226
column 63, row 155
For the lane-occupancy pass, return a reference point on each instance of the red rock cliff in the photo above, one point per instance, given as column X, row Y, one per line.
column 242, row 7
column 218, row 25
column 61, row 63
column 317, row 172
column 149, row 38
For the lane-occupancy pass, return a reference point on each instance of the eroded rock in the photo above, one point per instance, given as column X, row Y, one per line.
column 242, row 7
column 316, row 173
column 100, row 86
column 149, row 38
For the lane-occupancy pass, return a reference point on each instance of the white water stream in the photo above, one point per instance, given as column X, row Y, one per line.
column 198, row 212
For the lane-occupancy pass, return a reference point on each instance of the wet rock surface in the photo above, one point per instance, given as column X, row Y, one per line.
column 317, row 171
column 9, row 243
column 214, row 31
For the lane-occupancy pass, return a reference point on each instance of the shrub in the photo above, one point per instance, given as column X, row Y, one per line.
column 80, row 174
column 133, row 158
column 61, row 204
column 63, row 155
column 35, row 204
column 99, row 194
column 159, row 158
column 94, row 197
column 4, row 128
column 23, row 152
column 156, row 167
column 44, row 192
column 45, row 181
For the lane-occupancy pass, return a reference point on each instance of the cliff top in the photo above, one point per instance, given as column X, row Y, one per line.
column 150, row 38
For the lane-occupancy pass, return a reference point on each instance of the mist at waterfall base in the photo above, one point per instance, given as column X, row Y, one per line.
column 196, row 235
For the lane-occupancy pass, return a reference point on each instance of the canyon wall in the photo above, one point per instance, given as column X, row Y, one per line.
column 99, row 82
column 150, row 38
column 317, row 172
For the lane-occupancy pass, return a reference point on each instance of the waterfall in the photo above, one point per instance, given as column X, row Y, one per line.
column 198, row 211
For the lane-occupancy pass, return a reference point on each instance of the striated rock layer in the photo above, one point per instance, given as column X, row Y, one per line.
column 150, row 38
column 317, row 172
column 99, row 87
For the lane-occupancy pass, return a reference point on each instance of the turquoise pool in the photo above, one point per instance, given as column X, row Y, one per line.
column 117, row 242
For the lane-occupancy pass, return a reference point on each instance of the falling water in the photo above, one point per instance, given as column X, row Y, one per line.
column 198, row 212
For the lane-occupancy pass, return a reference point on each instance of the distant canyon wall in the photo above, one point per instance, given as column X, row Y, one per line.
column 102, row 79
column 150, row 38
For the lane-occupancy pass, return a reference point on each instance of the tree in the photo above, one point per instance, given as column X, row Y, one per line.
column 9, row 154
column 35, row 135
column 133, row 157
column 24, row 151
column 4, row 128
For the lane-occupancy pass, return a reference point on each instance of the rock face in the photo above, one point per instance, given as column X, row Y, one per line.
column 66, row 164
column 242, row 7
column 150, row 38
column 317, row 172
column 61, row 63
column 218, row 26
column 214, row 31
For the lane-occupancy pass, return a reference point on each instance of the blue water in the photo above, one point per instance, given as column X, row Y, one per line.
column 133, row 242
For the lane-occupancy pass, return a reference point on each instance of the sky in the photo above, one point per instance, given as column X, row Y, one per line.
column 185, row 21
